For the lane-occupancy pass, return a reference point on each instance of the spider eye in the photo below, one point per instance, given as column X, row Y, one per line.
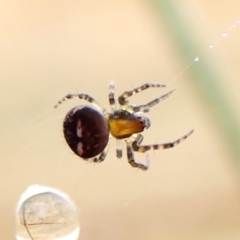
column 86, row 131
column 146, row 122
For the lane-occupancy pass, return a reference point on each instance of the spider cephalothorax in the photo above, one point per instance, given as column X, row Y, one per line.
column 123, row 124
column 87, row 128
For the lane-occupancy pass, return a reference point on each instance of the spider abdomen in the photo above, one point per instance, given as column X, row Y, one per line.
column 86, row 131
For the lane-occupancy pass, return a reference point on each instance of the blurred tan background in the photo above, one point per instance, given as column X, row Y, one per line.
column 51, row 48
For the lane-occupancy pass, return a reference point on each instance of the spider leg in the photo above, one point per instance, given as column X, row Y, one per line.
column 136, row 145
column 86, row 97
column 146, row 107
column 131, row 160
column 111, row 96
column 122, row 98
column 119, row 148
column 102, row 156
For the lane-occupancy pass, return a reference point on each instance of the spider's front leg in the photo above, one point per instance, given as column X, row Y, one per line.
column 122, row 98
column 136, row 145
column 144, row 107
column 131, row 159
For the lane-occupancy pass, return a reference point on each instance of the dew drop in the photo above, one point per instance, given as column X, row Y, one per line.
column 46, row 213
column 224, row 34
column 196, row 59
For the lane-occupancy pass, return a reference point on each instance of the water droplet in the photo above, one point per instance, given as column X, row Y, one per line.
column 224, row 34
column 196, row 59
column 211, row 46
column 238, row 21
column 46, row 213
column 233, row 25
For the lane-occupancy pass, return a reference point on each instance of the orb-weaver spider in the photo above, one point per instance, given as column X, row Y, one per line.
column 86, row 128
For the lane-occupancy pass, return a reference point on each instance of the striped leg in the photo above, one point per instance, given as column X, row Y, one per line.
column 102, row 156
column 111, row 96
column 83, row 96
column 131, row 159
column 119, row 148
column 136, row 145
column 146, row 107
column 127, row 94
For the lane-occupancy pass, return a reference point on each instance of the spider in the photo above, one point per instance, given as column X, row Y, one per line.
column 87, row 128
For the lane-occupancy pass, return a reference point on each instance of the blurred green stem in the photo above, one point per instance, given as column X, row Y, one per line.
column 209, row 91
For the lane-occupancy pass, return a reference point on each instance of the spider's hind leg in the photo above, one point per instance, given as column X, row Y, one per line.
column 86, row 97
column 102, row 156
